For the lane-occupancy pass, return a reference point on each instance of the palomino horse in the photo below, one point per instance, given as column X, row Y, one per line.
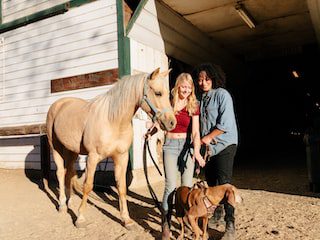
column 102, row 128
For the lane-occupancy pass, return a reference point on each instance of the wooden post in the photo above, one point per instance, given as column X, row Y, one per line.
column 45, row 160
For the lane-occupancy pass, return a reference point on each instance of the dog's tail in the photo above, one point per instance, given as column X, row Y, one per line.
column 237, row 197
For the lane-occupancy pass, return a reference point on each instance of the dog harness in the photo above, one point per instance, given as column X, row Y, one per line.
column 207, row 203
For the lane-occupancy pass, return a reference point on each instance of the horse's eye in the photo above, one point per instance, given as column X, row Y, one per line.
column 158, row 94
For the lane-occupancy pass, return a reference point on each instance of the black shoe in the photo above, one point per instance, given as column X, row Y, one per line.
column 230, row 233
column 217, row 219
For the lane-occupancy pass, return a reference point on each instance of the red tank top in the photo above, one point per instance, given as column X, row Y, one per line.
column 183, row 120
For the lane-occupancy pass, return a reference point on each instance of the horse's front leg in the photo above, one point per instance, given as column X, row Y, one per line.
column 120, row 169
column 92, row 162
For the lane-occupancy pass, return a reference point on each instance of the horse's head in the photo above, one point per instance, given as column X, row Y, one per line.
column 155, row 101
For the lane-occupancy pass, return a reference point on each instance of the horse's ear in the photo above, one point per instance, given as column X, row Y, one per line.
column 165, row 73
column 155, row 73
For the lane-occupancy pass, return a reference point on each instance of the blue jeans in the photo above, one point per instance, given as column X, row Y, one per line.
column 177, row 160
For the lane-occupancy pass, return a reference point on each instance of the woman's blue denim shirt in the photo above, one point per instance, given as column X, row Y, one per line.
column 216, row 111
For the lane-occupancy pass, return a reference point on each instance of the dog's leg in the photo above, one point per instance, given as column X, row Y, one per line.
column 181, row 236
column 195, row 228
column 204, row 228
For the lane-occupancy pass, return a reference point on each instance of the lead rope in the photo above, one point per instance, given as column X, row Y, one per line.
column 145, row 168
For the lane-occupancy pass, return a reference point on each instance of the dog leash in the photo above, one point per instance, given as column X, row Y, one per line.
column 206, row 158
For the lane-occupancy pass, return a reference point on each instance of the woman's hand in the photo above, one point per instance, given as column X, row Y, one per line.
column 199, row 159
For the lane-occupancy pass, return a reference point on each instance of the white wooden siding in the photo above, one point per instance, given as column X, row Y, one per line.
column 145, row 58
column 12, row 10
column 146, row 28
column 24, row 152
column 2, row 78
column 80, row 41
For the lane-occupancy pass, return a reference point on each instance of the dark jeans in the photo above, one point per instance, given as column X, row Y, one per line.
column 219, row 171
column 219, row 168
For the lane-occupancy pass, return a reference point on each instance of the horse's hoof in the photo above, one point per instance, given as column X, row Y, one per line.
column 129, row 225
column 81, row 223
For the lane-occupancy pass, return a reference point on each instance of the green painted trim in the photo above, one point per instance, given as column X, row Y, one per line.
column 0, row 11
column 124, row 64
column 123, row 43
column 135, row 16
column 77, row 3
column 59, row 9
column 33, row 18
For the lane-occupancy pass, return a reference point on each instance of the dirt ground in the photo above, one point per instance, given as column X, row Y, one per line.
column 277, row 205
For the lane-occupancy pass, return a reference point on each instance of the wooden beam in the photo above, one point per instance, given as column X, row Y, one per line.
column 23, row 130
column 102, row 78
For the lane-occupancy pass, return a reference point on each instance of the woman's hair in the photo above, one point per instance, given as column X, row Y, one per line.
column 213, row 71
column 192, row 104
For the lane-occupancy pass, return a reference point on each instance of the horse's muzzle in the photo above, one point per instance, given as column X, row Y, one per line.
column 167, row 121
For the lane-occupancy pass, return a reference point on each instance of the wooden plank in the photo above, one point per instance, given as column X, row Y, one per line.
column 23, row 130
column 85, row 81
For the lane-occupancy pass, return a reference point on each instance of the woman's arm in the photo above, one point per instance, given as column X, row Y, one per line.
column 225, row 118
column 210, row 138
column 196, row 140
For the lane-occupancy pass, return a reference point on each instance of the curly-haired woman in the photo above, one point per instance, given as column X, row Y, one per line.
column 218, row 132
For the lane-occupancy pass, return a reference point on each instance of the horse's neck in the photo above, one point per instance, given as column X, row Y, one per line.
column 121, row 103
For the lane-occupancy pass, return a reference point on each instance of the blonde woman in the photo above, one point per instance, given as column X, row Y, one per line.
column 178, row 156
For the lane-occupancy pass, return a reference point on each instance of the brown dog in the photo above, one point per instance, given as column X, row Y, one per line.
column 200, row 202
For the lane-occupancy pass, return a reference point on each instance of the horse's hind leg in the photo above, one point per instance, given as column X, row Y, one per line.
column 71, row 175
column 92, row 162
column 61, row 178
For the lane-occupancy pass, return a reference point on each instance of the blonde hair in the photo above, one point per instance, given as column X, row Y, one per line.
column 192, row 103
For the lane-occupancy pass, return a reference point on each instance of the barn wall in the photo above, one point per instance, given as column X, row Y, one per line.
column 83, row 40
column 147, row 53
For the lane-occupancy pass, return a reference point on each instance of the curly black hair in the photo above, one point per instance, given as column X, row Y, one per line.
column 213, row 71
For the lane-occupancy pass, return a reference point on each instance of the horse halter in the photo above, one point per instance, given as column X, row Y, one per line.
column 157, row 114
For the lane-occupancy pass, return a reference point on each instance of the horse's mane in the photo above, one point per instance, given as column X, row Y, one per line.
column 114, row 103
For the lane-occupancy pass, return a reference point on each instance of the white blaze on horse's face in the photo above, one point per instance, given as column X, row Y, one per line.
column 158, row 95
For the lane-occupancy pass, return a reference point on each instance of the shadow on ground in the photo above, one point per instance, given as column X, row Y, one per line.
column 280, row 173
